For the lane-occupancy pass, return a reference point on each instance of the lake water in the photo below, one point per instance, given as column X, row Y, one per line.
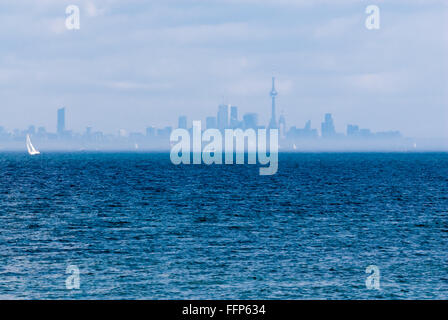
column 139, row 227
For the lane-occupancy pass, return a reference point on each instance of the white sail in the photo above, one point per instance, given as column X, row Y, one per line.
column 294, row 146
column 31, row 150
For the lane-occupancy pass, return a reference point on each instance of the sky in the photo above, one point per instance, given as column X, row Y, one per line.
column 134, row 64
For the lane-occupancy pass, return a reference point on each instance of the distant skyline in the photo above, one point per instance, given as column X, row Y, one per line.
column 227, row 117
column 133, row 65
column 291, row 138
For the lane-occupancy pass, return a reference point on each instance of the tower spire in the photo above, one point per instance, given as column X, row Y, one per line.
column 273, row 93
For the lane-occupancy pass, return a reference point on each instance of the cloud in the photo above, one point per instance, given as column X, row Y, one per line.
column 132, row 85
column 338, row 26
column 378, row 83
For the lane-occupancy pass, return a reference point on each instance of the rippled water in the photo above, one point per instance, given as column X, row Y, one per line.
column 139, row 227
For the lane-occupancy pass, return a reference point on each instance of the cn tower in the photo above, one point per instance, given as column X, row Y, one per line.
column 273, row 93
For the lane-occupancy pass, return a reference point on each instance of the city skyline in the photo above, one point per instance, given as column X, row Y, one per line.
column 136, row 63
column 227, row 118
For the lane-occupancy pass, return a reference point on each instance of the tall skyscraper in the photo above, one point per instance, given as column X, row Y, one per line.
column 328, row 127
column 88, row 132
column 234, row 123
column 282, row 126
column 150, row 132
column 250, row 121
column 182, row 122
column 308, row 125
column 223, row 117
column 273, row 93
column 210, row 123
column 61, row 121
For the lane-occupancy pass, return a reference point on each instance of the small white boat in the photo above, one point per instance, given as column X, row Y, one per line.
column 294, row 146
column 31, row 150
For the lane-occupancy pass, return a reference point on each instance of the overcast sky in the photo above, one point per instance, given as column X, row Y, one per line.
column 138, row 63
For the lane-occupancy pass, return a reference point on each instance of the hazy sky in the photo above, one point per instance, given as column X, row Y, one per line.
column 139, row 63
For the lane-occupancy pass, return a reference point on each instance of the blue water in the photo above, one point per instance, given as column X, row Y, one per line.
column 139, row 227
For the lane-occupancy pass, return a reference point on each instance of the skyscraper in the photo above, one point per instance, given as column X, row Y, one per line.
column 165, row 132
column 61, row 121
column 223, row 117
column 182, row 122
column 282, row 126
column 150, row 132
column 328, row 127
column 234, row 123
column 273, row 93
column 210, row 122
column 352, row 130
column 250, row 121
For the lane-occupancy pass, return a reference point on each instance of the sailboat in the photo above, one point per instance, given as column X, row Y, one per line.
column 31, row 150
column 294, row 146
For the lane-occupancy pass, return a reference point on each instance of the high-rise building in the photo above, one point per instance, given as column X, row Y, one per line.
column 223, row 117
column 150, row 131
column 273, row 93
column 210, row 123
column 250, row 121
column 327, row 127
column 182, row 122
column 61, row 121
column 308, row 125
column 234, row 123
column 88, row 132
column 282, row 126
column 3, row 133
column 352, row 130
column 365, row 133
column 165, row 132
column 305, row 133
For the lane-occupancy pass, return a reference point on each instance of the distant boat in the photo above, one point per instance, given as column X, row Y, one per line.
column 294, row 146
column 31, row 150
